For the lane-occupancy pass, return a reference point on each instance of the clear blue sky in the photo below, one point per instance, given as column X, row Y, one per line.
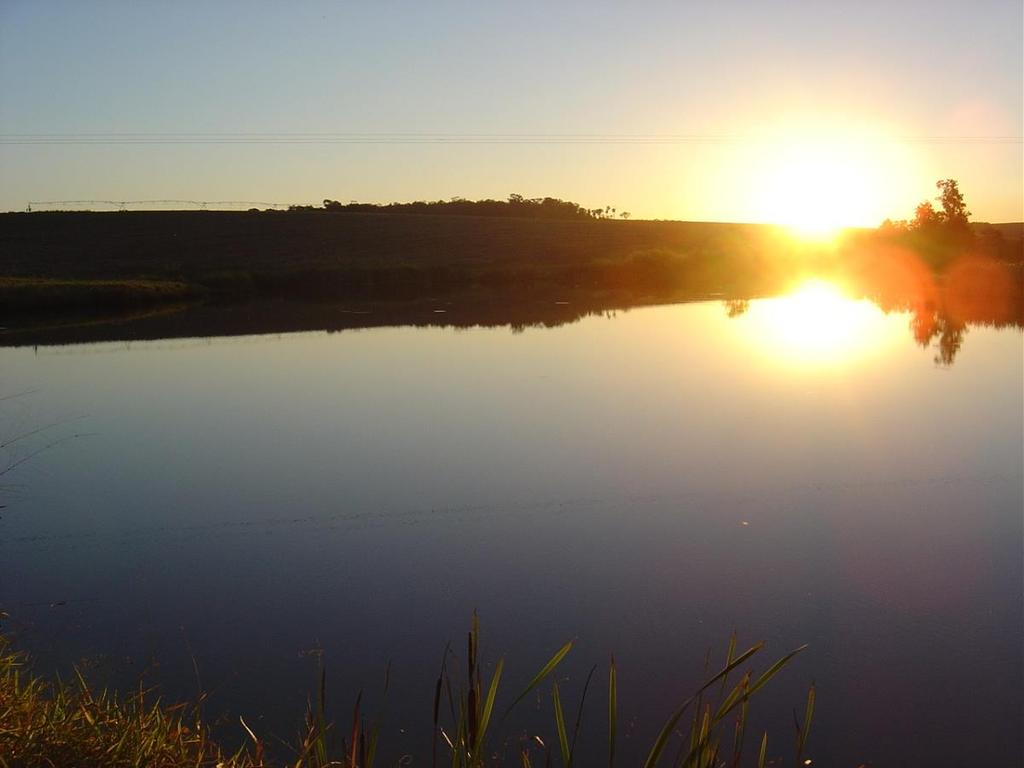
column 762, row 80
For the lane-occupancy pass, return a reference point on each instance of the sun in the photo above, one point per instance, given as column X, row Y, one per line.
column 816, row 177
column 816, row 189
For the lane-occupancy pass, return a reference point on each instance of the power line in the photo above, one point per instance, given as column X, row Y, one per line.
column 123, row 204
column 295, row 138
column 149, row 202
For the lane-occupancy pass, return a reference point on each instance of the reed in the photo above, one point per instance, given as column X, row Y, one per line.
column 67, row 723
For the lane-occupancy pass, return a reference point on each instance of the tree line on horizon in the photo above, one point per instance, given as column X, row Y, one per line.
column 516, row 206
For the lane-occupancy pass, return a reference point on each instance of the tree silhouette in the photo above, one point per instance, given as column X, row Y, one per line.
column 952, row 218
column 926, row 217
column 954, row 209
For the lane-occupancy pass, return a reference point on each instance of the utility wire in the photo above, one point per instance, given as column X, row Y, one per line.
column 154, row 202
column 294, row 138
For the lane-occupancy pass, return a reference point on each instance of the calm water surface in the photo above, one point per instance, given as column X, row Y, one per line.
column 645, row 482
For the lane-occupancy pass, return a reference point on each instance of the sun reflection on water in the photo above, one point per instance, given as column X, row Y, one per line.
column 817, row 325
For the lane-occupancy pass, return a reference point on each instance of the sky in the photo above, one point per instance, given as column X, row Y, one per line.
column 727, row 111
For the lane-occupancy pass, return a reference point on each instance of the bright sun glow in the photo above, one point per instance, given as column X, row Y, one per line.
column 816, row 191
column 817, row 325
column 816, row 178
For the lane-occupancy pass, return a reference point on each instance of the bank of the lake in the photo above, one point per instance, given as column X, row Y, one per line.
column 86, row 263
column 56, row 722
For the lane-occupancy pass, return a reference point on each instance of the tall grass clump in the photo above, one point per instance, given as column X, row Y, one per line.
column 706, row 730
column 66, row 723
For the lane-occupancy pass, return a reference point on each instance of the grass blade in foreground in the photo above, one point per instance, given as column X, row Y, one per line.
column 613, row 705
column 539, row 677
column 485, row 715
column 563, row 741
column 804, row 730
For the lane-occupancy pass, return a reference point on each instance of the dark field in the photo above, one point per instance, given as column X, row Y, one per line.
column 148, row 256
column 204, row 245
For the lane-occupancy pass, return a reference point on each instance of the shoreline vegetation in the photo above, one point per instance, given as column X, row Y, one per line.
column 68, row 277
column 67, row 262
column 57, row 722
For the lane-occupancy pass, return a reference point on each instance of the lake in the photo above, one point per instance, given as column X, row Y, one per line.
column 224, row 513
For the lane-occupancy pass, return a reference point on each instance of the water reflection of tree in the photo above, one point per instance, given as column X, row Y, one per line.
column 736, row 307
column 927, row 326
column 973, row 291
column 942, row 304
